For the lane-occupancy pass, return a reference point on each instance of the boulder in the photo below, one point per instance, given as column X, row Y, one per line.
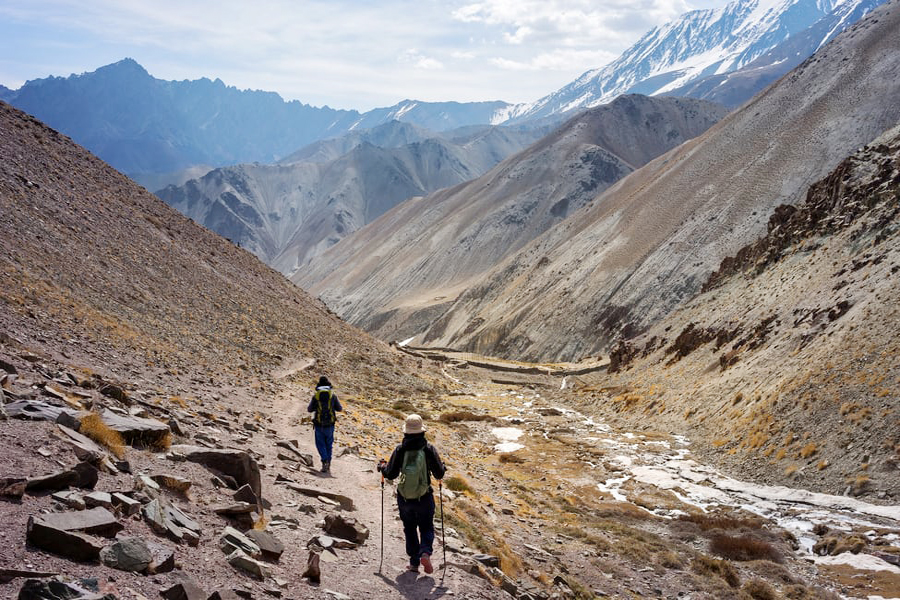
column 88, row 475
column 75, row 546
column 97, row 521
column 136, row 431
column 347, row 528
column 163, row 558
column 68, row 420
column 270, row 546
column 128, row 553
column 184, row 590
column 232, row 539
column 12, row 487
column 237, row 464
column 239, row 560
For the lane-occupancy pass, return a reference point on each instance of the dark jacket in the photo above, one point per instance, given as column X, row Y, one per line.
column 314, row 406
column 415, row 441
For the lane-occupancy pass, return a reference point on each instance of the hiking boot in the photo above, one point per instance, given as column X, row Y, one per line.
column 425, row 560
column 412, row 568
column 326, row 466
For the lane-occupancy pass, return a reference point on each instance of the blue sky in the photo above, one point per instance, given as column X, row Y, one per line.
column 342, row 53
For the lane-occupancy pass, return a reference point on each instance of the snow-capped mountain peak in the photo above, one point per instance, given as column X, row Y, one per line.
column 698, row 44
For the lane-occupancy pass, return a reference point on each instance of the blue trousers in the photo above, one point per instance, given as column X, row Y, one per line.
column 418, row 525
column 324, row 441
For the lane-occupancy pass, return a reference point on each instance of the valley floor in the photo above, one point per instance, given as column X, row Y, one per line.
column 568, row 506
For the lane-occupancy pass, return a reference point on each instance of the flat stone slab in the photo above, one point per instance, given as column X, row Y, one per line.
column 232, row 539
column 97, row 521
column 35, row 410
column 271, row 546
column 70, row 544
column 85, row 448
column 345, row 502
column 136, row 430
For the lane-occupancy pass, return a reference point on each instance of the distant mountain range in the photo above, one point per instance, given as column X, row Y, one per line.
column 143, row 125
column 702, row 44
column 289, row 212
column 146, row 127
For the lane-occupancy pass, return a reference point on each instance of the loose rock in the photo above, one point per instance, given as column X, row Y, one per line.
column 128, row 553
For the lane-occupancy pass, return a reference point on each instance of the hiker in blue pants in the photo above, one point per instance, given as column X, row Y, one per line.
column 414, row 461
column 324, row 404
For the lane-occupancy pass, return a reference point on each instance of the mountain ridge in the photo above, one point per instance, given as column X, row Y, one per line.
column 440, row 242
column 697, row 44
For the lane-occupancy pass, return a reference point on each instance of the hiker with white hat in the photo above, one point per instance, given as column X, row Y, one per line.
column 414, row 461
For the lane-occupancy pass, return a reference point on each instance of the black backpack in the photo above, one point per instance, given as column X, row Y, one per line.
column 324, row 408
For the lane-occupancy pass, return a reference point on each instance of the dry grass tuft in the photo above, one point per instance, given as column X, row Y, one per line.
column 162, row 443
column 705, row 565
column 743, row 548
column 463, row 415
column 511, row 457
column 759, row 590
column 93, row 427
column 723, row 522
column 458, row 484
column 808, row 450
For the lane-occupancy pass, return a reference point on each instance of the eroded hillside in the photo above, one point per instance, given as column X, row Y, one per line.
column 788, row 365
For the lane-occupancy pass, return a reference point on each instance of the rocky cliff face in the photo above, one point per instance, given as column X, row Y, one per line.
column 439, row 244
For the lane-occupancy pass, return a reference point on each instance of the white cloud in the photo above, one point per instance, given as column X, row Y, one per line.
column 344, row 53
column 415, row 58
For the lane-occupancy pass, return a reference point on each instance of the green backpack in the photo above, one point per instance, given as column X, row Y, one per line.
column 414, row 480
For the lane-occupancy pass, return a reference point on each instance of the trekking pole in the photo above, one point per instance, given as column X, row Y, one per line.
column 443, row 531
column 381, row 562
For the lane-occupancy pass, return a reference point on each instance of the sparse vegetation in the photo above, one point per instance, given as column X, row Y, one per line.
column 458, row 484
column 463, row 415
column 743, row 548
column 93, row 427
column 708, row 566
column 759, row 590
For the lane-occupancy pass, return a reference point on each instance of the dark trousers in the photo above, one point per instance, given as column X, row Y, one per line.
column 418, row 525
column 324, row 441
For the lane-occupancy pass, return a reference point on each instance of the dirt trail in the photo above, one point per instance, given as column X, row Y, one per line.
column 355, row 574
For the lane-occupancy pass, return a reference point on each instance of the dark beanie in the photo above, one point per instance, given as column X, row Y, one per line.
column 323, row 381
